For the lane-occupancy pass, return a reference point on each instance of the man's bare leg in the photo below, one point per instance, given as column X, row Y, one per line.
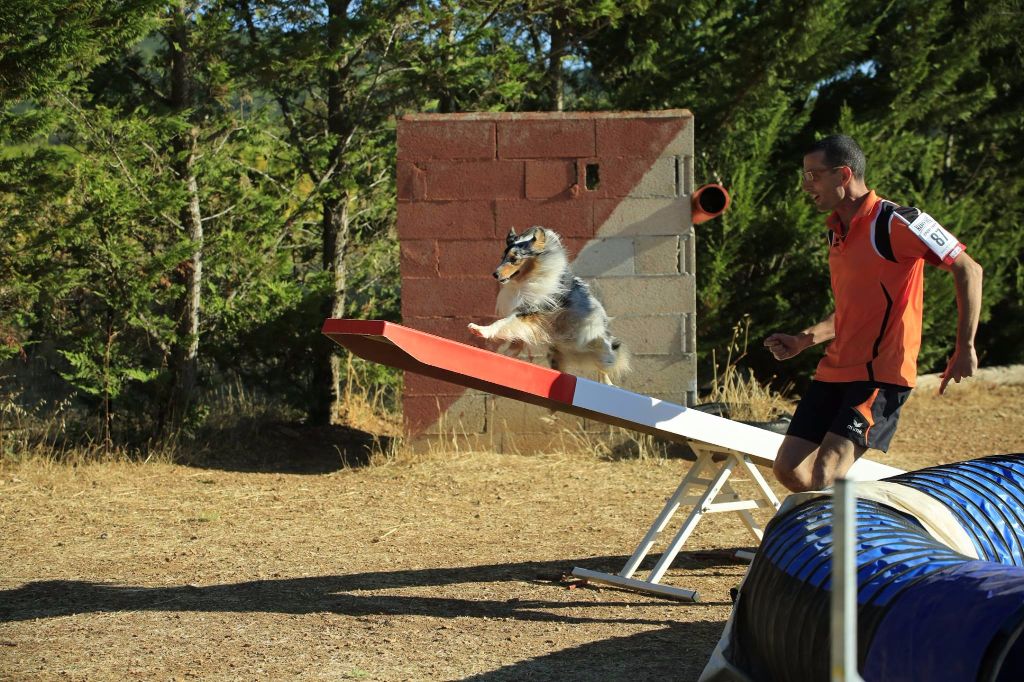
column 803, row 465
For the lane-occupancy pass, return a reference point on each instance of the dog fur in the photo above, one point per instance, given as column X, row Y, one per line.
column 543, row 308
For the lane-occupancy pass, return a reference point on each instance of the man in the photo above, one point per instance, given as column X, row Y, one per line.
column 877, row 252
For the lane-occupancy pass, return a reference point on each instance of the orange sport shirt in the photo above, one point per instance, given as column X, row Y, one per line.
column 877, row 272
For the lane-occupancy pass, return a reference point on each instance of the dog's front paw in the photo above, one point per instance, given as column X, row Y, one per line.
column 477, row 330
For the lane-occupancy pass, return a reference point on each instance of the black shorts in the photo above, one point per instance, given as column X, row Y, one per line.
column 864, row 412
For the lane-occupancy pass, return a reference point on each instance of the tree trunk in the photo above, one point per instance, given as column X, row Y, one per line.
column 188, row 330
column 184, row 362
column 327, row 371
column 555, row 77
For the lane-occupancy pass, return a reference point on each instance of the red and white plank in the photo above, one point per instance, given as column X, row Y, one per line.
column 409, row 349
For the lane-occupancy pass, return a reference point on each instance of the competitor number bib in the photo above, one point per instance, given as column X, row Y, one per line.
column 939, row 241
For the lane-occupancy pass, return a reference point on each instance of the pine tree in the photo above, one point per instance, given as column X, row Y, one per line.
column 928, row 92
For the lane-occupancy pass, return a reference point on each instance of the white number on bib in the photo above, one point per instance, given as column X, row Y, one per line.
column 941, row 242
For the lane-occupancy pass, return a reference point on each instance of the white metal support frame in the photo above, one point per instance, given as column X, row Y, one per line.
column 706, row 487
column 721, row 445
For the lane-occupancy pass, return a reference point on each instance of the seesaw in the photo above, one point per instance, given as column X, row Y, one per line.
column 721, row 445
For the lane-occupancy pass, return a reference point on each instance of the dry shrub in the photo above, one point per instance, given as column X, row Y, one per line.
column 737, row 387
column 47, row 436
column 363, row 403
column 617, row 444
column 453, row 440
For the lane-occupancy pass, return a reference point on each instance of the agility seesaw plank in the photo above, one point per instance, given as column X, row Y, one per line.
column 409, row 349
column 721, row 445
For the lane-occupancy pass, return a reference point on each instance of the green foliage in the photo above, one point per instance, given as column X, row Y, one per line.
column 280, row 128
column 927, row 90
column 49, row 43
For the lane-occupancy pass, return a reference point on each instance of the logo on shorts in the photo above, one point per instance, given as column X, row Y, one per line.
column 857, row 427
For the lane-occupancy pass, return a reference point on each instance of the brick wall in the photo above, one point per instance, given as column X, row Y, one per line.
column 465, row 179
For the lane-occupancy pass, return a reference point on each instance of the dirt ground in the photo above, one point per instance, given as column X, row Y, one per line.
column 435, row 567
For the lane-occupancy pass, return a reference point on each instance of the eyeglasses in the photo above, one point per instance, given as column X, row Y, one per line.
column 808, row 174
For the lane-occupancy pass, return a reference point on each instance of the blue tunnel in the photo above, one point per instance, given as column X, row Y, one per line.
column 926, row 610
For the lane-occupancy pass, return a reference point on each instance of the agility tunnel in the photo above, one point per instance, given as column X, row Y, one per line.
column 940, row 582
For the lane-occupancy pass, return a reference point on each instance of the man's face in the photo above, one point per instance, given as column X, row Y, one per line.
column 825, row 184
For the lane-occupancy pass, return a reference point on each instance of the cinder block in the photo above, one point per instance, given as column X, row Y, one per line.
column 641, row 216
column 662, row 374
column 650, row 334
column 685, row 174
column 420, row 385
column 570, row 218
column 650, row 137
column 549, row 179
column 418, row 258
column 658, row 255
column 688, row 253
column 562, row 138
column 682, row 143
column 565, row 440
column 652, row 295
column 467, row 414
column 477, row 258
column 636, row 177
column 464, row 180
column 474, row 180
column 690, row 333
column 515, row 415
column 574, row 246
column 410, row 181
column 660, row 180
column 445, row 220
column 429, row 297
column 632, row 216
column 446, row 139
column 420, row 413
column 605, row 257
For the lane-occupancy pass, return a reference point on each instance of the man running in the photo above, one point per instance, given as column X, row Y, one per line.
column 877, row 252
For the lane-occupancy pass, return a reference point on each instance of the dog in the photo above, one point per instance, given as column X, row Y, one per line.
column 543, row 308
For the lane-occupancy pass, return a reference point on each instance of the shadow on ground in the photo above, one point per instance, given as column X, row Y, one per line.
column 287, row 447
column 329, row 594
column 664, row 654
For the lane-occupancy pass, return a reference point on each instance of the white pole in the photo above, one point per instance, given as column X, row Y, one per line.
column 844, row 582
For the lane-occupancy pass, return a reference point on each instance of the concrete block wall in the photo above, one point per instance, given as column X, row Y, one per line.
column 616, row 186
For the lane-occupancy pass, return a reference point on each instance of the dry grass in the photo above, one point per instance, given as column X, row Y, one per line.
column 233, row 419
column 364, row 405
column 238, row 420
column 49, row 437
column 619, row 443
column 736, row 387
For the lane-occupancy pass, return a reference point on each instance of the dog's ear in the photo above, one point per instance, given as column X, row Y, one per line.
column 511, row 237
column 540, row 238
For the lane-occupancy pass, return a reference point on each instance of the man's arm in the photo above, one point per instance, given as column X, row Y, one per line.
column 967, row 275
column 785, row 346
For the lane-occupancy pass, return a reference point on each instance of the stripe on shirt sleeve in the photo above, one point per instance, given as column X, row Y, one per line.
column 880, row 237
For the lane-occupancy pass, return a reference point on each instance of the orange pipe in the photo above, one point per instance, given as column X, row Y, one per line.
column 709, row 201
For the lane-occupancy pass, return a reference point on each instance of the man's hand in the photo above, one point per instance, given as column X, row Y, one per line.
column 786, row 346
column 961, row 365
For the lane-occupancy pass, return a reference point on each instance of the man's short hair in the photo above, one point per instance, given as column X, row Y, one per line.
column 841, row 150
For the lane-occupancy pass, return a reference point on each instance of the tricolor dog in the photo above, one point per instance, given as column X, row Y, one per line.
column 545, row 309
